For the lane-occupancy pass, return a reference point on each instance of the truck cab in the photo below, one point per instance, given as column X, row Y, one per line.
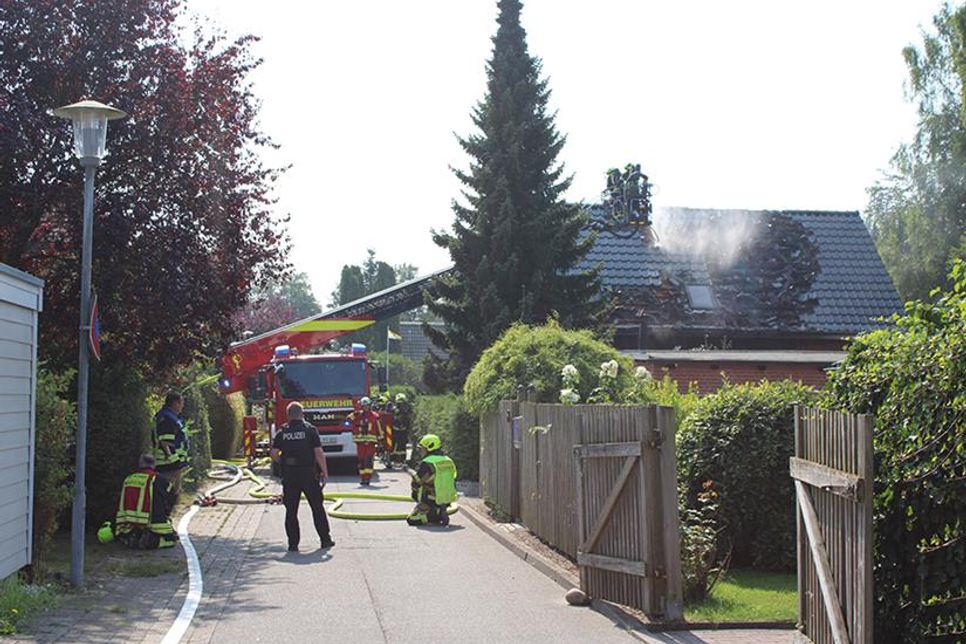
column 328, row 386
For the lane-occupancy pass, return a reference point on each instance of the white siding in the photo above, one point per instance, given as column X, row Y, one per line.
column 20, row 304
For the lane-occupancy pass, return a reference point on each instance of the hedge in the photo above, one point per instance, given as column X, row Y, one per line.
column 458, row 429
column 740, row 438
column 912, row 377
column 226, row 416
column 118, row 432
column 53, row 462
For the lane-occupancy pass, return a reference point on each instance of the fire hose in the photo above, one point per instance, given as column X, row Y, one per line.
column 232, row 474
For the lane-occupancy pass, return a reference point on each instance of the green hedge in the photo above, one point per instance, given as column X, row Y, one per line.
column 225, row 415
column 912, row 377
column 53, row 458
column 198, row 428
column 527, row 355
column 740, row 438
column 458, row 429
column 119, row 431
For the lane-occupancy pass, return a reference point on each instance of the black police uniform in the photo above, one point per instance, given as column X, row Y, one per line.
column 300, row 475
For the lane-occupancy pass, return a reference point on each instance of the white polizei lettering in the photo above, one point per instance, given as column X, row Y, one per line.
column 294, row 436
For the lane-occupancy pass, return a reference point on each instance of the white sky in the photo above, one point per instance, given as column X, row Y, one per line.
column 738, row 104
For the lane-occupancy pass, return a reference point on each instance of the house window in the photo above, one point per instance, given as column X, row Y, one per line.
column 700, row 296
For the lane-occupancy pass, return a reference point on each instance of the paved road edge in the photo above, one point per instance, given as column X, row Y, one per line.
column 555, row 573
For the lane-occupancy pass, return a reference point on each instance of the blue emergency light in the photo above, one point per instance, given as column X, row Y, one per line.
column 358, row 349
column 282, row 351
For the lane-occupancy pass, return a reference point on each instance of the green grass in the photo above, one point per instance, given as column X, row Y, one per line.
column 20, row 601
column 748, row 596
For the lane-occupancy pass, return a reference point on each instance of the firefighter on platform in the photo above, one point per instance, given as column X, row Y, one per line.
column 143, row 512
column 402, row 420
column 434, row 484
column 366, row 432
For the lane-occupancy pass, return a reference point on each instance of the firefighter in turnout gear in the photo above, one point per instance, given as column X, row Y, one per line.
column 402, row 422
column 366, row 432
column 169, row 440
column 143, row 512
column 434, row 484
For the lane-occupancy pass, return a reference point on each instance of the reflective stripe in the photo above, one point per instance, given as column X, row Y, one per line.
column 332, row 325
column 366, row 438
column 134, row 507
column 161, row 528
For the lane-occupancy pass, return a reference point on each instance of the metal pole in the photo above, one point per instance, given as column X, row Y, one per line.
column 387, row 356
column 80, row 493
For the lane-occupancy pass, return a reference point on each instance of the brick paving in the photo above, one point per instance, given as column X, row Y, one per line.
column 141, row 609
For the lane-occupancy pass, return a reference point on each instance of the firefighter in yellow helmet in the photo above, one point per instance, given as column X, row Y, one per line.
column 434, row 484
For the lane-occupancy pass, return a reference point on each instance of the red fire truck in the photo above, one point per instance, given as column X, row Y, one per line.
column 328, row 385
column 277, row 367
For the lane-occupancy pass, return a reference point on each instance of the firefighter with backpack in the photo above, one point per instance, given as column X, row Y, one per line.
column 434, row 484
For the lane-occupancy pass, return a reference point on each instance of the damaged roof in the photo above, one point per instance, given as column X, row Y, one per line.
column 809, row 271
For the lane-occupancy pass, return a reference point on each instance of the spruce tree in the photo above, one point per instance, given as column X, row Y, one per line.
column 515, row 242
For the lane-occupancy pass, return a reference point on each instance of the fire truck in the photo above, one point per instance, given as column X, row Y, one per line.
column 278, row 367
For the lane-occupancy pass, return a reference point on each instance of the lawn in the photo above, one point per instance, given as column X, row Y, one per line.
column 748, row 596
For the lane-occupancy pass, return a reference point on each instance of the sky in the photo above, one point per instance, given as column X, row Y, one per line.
column 738, row 104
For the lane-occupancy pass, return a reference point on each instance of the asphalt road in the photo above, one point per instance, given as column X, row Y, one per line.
column 387, row 582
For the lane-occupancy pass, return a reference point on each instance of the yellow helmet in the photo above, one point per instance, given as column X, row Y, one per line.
column 430, row 442
column 105, row 534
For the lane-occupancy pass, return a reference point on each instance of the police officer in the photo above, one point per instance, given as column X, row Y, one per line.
column 434, row 484
column 299, row 451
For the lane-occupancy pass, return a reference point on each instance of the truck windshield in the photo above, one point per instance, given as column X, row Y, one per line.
column 322, row 378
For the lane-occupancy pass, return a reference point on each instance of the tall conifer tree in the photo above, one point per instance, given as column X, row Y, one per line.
column 515, row 243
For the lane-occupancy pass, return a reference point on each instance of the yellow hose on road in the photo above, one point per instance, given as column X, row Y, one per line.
column 259, row 495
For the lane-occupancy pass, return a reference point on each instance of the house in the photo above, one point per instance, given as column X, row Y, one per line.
column 742, row 294
column 21, row 300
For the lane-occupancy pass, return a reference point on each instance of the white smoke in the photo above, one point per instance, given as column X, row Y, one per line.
column 718, row 235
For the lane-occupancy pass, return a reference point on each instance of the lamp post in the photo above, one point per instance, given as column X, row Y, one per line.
column 90, row 145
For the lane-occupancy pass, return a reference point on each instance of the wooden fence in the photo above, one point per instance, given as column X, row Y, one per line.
column 833, row 474
column 599, row 483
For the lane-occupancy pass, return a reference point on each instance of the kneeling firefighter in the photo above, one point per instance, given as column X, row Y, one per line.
column 143, row 512
column 434, row 484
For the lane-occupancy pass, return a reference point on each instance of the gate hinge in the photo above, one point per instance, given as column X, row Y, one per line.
column 657, row 438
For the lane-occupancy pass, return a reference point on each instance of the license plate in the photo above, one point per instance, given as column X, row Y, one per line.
column 328, row 440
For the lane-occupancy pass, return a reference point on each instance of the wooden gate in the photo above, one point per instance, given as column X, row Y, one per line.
column 627, row 518
column 832, row 469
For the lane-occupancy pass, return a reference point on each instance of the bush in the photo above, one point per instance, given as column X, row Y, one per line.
column 225, row 415
column 665, row 392
column 56, row 423
column 198, row 428
column 740, row 438
column 458, row 429
column 913, row 379
column 119, row 431
column 527, row 355
column 701, row 563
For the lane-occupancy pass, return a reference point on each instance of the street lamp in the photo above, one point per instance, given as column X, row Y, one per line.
column 90, row 145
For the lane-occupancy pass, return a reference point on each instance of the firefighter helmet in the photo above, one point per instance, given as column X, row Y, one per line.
column 400, row 398
column 105, row 534
column 365, row 401
column 430, row 442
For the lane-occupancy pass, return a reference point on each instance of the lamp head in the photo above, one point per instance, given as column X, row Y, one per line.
column 90, row 127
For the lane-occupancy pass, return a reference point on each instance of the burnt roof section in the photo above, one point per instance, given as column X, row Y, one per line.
column 805, row 271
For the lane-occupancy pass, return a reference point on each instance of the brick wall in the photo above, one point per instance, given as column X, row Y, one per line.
column 708, row 375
